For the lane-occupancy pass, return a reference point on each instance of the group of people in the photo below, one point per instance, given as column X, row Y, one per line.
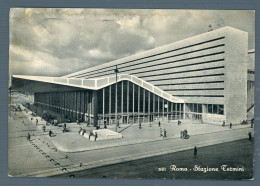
column 163, row 133
column 83, row 131
column 184, row 134
column 224, row 124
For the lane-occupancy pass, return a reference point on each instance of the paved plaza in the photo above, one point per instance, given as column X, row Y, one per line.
column 68, row 152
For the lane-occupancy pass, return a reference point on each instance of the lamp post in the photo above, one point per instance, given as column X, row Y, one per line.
column 166, row 106
column 116, row 71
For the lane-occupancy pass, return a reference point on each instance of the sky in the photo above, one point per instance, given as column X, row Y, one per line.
column 56, row 42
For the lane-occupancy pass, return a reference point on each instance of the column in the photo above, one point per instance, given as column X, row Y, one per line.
column 104, row 106
column 143, row 104
column 171, row 110
column 163, row 108
column 153, row 106
column 116, row 106
column 127, row 97
column 167, row 111
column 138, row 109
column 180, row 110
column 88, row 102
column 133, row 102
column 110, row 87
column 149, row 104
column 95, row 108
column 158, row 98
column 122, row 100
column 184, row 108
column 176, row 111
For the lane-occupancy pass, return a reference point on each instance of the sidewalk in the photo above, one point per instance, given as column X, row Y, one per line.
column 68, row 152
column 72, row 141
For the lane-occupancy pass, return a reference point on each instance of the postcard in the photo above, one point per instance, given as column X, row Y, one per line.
column 131, row 93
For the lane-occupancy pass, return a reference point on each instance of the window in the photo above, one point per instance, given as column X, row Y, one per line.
column 210, row 109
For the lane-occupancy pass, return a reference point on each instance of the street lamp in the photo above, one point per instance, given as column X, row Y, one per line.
column 116, row 71
column 166, row 106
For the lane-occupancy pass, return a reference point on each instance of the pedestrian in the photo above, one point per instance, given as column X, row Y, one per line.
column 118, row 124
column 179, row 122
column 96, row 136
column 159, row 124
column 105, row 126
column 195, row 151
column 252, row 123
column 50, row 133
column 43, row 128
column 223, row 125
column 140, row 125
column 90, row 134
column 250, row 136
column 181, row 134
column 161, row 132
column 36, row 121
column 23, row 122
column 28, row 136
column 164, row 133
column 80, row 130
column 230, row 126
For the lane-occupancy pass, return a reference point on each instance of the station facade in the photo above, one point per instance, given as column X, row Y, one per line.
column 206, row 78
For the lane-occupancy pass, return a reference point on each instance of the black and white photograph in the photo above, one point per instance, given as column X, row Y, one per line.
column 131, row 93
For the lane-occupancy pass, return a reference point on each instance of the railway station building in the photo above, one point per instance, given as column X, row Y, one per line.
column 208, row 78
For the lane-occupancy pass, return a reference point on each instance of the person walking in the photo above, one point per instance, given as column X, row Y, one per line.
column 28, row 136
column 50, row 133
column 80, row 130
column 159, row 124
column 250, row 136
column 164, row 133
column 140, row 125
column 230, row 126
column 223, row 125
column 36, row 121
column 43, row 128
column 195, row 151
column 252, row 123
column 161, row 132
column 96, row 136
column 64, row 127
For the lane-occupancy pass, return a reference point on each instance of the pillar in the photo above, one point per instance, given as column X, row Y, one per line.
column 171, row 110
column 133, row 102
column 149, row 104
column 103, row 106
column 143, row 104
column 110, row 87
column 138, row 110
column 95, row 108
column 122, row 100
column 127, row 108
column 88, row 102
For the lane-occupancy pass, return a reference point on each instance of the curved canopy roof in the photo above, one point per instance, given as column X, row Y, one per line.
column 99, row 83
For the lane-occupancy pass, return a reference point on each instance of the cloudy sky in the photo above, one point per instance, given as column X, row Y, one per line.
column 56, row 42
